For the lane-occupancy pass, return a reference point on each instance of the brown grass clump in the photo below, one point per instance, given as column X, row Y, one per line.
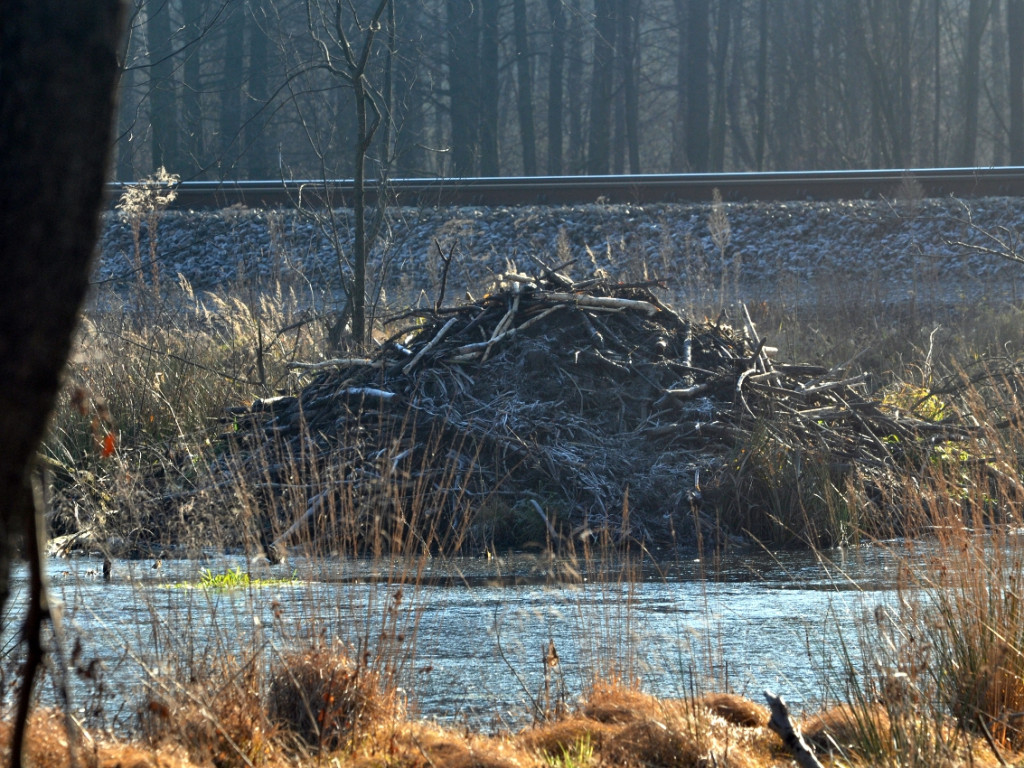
column 625, row 727
column 844, row 727
column 560, row 736
column 651, row 743
column 46, row 741
column 47, row 746
column 735, row 709
column 427, row 745
column 610, row 703
column 220, row 719
column 326, row 700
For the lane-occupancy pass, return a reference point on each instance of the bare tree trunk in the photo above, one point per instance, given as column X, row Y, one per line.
column 575, row 77
column 58, row 69
column 1015, row 46
column 904, row 141
column 697, row 99
column 556, row 68
column 191, row 108
column 977, row 19
column 599, row 140
column 257, row 139
column 742, row 154
column 231, row 92
column 937, row 65
column 163, row 116
column 760, row 133
column 619, row 86
column 677, row 160
column 489, row 88
column 807, row 66
column 629, row 29
column 463, row 83
column 718, row 125
column 524, row 79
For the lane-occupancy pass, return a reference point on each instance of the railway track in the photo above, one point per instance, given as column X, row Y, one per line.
column 660, row 188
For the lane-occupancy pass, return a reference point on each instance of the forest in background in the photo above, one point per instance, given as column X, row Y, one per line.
column 237, row 89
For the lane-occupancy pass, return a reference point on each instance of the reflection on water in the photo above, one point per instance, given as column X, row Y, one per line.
column 480, row 627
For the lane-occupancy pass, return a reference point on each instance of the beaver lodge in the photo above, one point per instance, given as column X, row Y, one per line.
column 555, row 413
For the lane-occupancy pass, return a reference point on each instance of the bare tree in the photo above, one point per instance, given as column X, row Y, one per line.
column 489, row 87
column 697, row 92
column 556, row 71
column 1015, row 79
column 58, row 68
column 599, row 139
column 977, row 20
column 524, row 94
column 163, row 112
column 723, row 29
column 327, row 27
column 463, row 27
column 231, row 85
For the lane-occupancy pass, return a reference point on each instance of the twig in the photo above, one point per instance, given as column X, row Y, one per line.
column 446, row 262
column 337, row 362
column 430, row 345
column 602, row 302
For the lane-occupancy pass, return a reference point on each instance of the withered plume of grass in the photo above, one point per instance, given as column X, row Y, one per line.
column 145, row 200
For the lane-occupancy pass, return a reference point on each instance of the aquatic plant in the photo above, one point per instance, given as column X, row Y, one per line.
column 232, row 579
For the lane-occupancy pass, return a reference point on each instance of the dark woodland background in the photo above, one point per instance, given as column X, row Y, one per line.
column 234, row 89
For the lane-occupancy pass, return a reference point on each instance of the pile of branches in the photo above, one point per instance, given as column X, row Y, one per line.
column 550, row 411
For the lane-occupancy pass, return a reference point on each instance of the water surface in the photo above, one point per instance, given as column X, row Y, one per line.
column 468, row 637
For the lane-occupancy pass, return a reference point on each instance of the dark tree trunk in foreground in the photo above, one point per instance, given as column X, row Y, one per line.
column 58, row 69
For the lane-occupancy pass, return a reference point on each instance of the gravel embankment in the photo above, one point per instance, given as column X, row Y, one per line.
column 788, row 251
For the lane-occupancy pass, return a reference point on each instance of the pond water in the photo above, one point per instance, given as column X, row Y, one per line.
column 468, row 637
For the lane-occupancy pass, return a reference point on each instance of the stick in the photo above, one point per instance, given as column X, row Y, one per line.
column 315, row 504
column 430, row 345
column 759, row 356
column 339, row 362
column 467, row 352
column 789, row 733
column 603, row 302
column 446, row 261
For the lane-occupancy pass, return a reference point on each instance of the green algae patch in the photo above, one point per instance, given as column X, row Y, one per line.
column 229, row 580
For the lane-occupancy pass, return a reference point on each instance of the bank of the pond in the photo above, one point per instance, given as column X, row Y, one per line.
column 911, row 250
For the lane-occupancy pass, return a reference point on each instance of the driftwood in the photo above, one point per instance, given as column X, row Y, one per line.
column 781, row 723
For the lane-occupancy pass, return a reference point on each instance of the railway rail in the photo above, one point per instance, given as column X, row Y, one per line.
column 638, row 189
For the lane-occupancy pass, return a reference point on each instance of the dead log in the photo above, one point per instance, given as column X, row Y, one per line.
column 782, row 724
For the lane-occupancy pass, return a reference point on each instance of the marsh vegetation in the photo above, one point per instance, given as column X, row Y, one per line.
column 159, row 391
